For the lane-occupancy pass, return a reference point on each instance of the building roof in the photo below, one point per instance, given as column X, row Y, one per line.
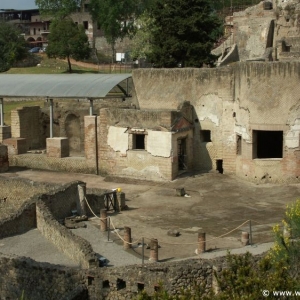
column 61, row 85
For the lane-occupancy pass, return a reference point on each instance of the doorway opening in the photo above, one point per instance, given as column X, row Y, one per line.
column 182, row 158
column 219, row 165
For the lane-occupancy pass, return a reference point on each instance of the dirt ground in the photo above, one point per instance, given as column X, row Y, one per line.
column 217, row 205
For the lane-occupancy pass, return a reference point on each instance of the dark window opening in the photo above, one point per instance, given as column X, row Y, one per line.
column 138, row 141
column 267, row 144
column 105, row 284
column 90, row 280
column 121, row 284
column 86, row 7
column 140, row 286
column 86, row 25
column 238, row 145
column 205, row 136
column 157, row 288
column 219, row 165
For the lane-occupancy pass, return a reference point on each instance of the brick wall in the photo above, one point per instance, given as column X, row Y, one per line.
column 25, row 123
column 135, row 163
column 232, row 101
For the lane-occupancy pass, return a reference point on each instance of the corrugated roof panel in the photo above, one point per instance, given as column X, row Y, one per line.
column 59, row 85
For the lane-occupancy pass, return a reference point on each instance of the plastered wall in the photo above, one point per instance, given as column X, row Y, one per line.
column 231, row 101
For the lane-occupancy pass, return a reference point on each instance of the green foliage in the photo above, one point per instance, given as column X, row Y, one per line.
column 12, row 46
column 67, row 40
column 287, row 241
column 117, row 18
column 246, row 279
column 183, row 33
column 58, row 8
column 141, row 41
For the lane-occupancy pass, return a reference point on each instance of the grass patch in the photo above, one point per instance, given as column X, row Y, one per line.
column 9, row 106
column 50, row 66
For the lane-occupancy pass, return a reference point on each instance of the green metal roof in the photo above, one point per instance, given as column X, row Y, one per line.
column 60, row 85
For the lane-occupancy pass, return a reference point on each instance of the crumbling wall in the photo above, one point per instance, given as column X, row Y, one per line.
column 264, row 103
column 41, row 161
column 24, row 278
column 231, row 102
column 210, row 92
column 126, row 282
column 116, row 153
column 21, row 221
column 75, row 247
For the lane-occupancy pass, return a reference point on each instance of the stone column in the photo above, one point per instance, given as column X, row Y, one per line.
column 154, row 250
column 201, row 242
column 103, row 221
column 82, row 195
column 127, row 237
column 245, row 238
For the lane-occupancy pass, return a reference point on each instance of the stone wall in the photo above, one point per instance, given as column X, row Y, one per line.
column 25, row 124
column 229, row 102
column 116, row 154
column 35, row 281
column 75, row 247
column 41, row 161
column 21, row 221
column 127, row 282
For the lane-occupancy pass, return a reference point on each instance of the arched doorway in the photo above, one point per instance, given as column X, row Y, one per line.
column 72, row 126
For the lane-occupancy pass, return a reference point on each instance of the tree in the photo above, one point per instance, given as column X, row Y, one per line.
column 116, row 18
column 140, row 47
column 183, row 33
column 12, row 46
column 58, row 8
column 67, row 40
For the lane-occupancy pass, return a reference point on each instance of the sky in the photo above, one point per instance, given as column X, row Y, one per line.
column 17, row 4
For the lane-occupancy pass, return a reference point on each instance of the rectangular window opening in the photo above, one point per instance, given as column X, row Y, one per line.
column 86, row 25
column 121, row 284
column 205, row 136
column 267, row 144
column 238, row 145
column 140, row 286
column 105, row 284
column 138, row 141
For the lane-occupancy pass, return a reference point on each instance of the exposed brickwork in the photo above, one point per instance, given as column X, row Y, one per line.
column 16, row 145
column 25, row 124
column 58, row 147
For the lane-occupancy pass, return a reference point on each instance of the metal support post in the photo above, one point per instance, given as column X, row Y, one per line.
column 91, row 107
column 1, row 112
column 51, row 118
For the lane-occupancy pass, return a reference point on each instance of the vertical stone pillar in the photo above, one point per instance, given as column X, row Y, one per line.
column 127, row 237
column 5, row 133
column 103, row 221
column 154, row 250
column 121, row 201
column 201, row 242
column 245, row 238
column 82, row 195
column 3, row 158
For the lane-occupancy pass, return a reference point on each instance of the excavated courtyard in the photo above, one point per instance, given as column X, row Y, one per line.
column 217, row 205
